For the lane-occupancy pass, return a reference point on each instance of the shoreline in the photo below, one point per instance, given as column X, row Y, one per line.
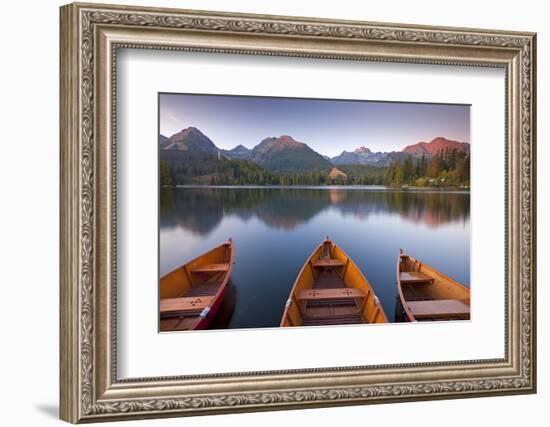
column 329, row 187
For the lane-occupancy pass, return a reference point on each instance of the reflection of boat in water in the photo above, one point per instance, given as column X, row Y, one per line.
column 191, row 295
column 427, row 294
column 331, row 290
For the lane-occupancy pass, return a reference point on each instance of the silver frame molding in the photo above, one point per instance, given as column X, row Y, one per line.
column 90, row 37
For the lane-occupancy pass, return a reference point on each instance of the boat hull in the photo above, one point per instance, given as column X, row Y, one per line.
column 206, row 321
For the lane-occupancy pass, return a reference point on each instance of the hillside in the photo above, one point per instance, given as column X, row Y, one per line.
column 190, row 139
column 284, row 154
column 436, row 145
column 181, row 167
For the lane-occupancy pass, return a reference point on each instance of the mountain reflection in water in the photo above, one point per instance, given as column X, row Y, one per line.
column 282, row 225
column 201, row 209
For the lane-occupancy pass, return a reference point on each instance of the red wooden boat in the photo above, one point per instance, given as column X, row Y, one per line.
column 191, row 295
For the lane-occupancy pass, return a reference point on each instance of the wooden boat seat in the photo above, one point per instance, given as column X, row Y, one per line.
column 211, row 268
column 331, row 302
column 341, row 320
column 328, row 262
column 184, row 305
column 439, row 309
column 332, row 305
column 412, row 277
column 330, row 294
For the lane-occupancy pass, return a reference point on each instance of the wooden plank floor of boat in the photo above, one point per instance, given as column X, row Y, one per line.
column 327, row 312
column 328, row 279
column 206, row 289
column 417, row 291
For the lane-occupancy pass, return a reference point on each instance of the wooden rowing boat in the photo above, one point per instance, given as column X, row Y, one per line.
column 191, row 295
column 331, row 290
column 428, row 294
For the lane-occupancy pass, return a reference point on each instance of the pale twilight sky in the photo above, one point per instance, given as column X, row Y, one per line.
column 327, row 126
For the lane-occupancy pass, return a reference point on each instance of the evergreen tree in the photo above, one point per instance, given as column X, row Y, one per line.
column 165, row 173
column 408, row 169
column 399, row 174
column 435, row 167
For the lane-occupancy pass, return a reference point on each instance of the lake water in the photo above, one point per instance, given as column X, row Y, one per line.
column 275, row 229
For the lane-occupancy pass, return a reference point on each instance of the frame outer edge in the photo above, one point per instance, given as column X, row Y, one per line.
column 533, row 207
column 69, row 392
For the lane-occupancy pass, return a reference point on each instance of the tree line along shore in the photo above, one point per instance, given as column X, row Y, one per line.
column 448, row 168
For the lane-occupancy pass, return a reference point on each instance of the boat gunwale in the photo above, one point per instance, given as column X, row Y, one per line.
column 221, row 288
column 404, row 304
column 300, row 274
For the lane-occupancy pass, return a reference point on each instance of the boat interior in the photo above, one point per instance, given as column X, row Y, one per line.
column 429, row 294
column 192, row 288
column 330, row 290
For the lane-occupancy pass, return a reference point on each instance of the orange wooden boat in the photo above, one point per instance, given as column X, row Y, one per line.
column 331, row 290
column 191, row 295
column 427, row 294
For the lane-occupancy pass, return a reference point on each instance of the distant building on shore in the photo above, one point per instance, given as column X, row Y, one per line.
column 336, row 174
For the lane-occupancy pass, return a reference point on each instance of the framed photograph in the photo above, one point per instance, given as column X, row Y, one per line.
column 266, row 212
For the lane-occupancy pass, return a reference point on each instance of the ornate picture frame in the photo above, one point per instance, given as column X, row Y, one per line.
column 90, row 37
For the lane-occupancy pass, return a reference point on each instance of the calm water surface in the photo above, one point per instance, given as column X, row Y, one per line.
column 275, row 229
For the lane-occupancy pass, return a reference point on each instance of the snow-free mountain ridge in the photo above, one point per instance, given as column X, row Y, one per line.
column 285, row 154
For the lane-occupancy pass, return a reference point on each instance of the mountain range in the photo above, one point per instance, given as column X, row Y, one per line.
column 280, row 154
column 362, row 156
column 285, row 154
